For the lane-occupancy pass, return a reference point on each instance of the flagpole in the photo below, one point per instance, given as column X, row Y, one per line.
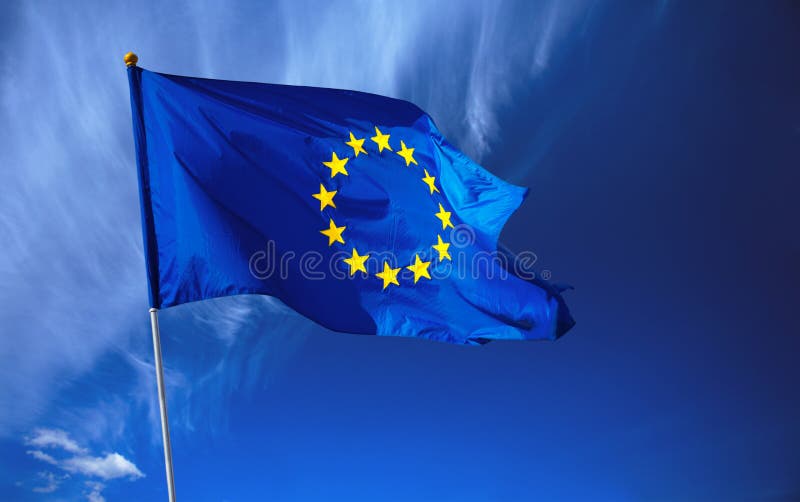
column 162, row 403
column 134, row 78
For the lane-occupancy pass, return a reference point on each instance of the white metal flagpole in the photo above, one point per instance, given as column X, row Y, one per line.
column 162, row 403
column 130, row 61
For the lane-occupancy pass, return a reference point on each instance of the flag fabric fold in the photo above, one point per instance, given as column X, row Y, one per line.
column 351, row 208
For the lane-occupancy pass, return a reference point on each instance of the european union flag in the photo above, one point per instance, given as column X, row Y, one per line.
column 349, row 207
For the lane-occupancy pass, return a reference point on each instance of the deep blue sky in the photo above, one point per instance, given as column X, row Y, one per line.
column 662, row 145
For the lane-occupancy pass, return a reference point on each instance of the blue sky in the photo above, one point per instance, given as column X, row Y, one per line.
column 661, row 141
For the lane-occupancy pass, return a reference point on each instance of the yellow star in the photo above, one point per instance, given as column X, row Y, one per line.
column 420, row 268
column 430, row 180
column 356, row 144
column 333, row 233
column 443, row 249
column 381, row 139
column 389, row 275
column 356, row 262
column 444, row 216
column 324, row 197
column 337, row 165
column 407, row 153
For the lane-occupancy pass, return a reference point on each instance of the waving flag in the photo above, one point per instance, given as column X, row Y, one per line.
column 349, row 207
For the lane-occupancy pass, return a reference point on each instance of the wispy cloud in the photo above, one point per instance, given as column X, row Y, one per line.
column 69, row 219
column 459, row 60
column 53, row 438
column 111, row 466
column 51, row 482
column 250, row 339
column 76, row 273
column 44, row 457
column 95, row 492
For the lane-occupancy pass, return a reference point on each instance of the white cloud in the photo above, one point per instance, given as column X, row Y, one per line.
column 94, row 495
column 51, row 482
column 111, row 466
column 53, row 438
column 44, row 457
column 78, row 460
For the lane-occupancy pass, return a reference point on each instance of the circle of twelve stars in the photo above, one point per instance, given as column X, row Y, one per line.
column 334, row 233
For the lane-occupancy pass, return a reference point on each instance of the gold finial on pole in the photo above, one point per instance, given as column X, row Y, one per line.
column 130, row 59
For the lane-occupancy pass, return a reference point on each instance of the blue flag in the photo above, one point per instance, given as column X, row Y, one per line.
column 351, row 208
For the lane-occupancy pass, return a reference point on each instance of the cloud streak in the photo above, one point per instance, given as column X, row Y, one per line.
column 462, row 70
column 44, row 457
column 54, row 438
column 111, row 466
column 75, row 273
